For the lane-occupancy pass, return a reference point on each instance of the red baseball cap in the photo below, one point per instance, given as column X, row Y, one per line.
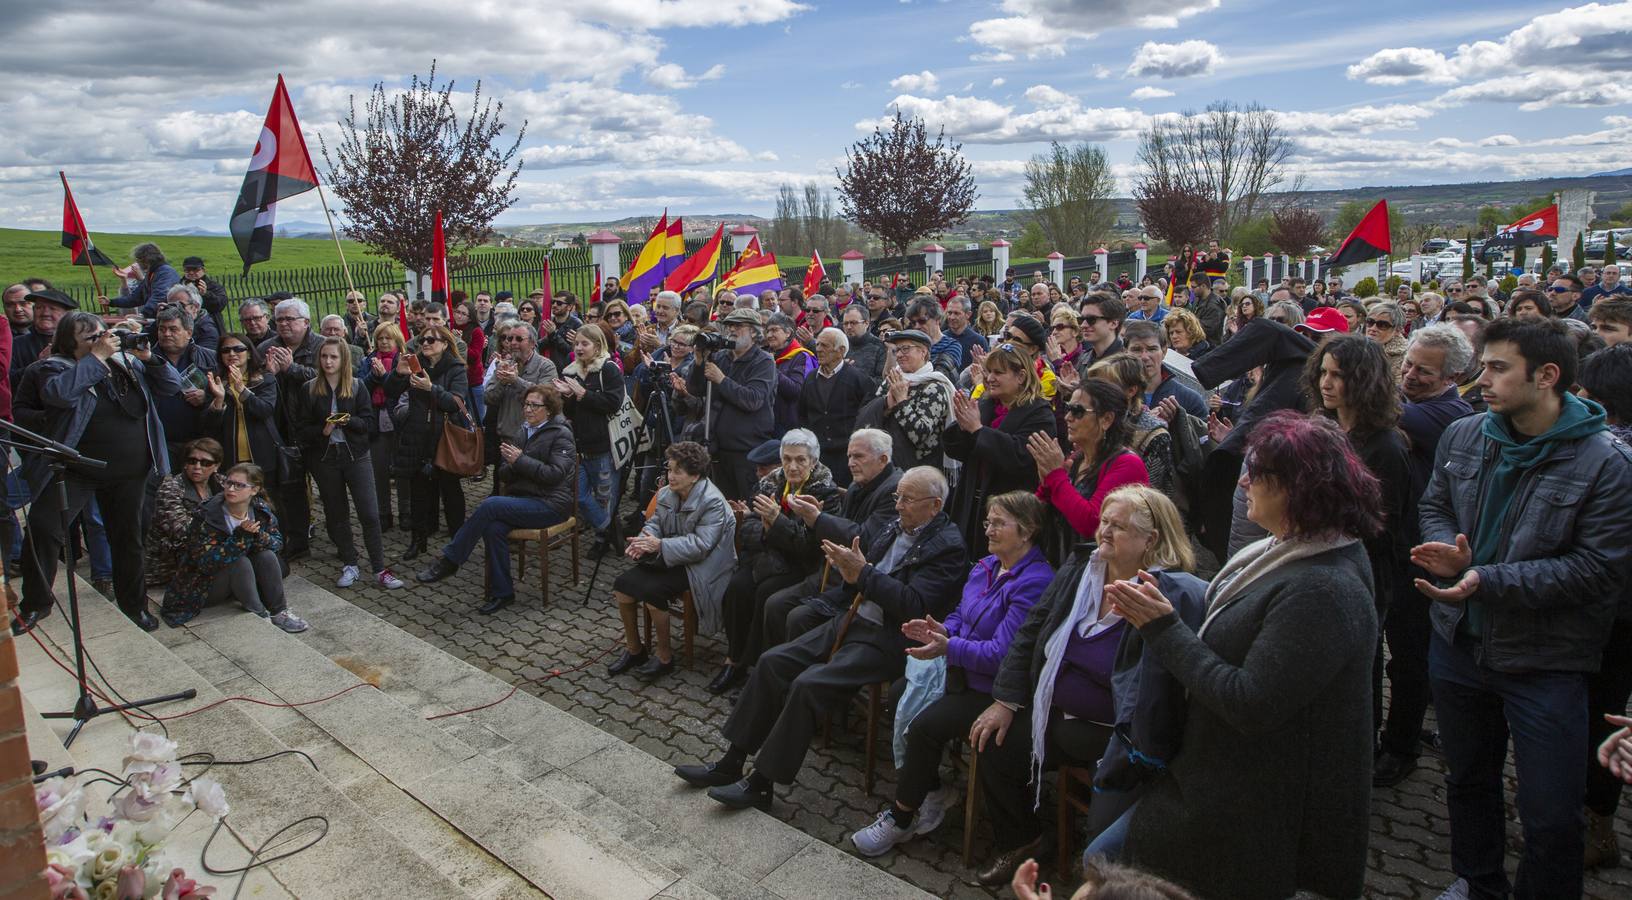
column 1325, row 320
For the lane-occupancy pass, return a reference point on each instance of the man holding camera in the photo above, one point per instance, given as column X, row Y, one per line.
column 96, row 393
column 212, row 296
column 742, row 378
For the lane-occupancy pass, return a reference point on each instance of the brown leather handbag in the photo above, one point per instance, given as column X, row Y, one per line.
column 460, row 450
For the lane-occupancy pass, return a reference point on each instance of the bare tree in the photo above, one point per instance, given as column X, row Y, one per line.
column 1295, row 230
column 1233, row 154
column 900, row 186
column 1068, row 190
column 824, row 229
column 1180, row 214
column 783, row 234
column 411, row 156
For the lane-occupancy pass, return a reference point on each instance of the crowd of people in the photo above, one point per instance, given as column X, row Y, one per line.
column 1182, row 542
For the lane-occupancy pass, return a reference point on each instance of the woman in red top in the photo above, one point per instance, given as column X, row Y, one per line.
column 465, row 325
column 1098, row 426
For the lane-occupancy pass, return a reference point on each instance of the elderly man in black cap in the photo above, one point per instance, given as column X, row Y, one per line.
column 741, row 382
column 914, row 402
column 211, row 294
column 49, row 306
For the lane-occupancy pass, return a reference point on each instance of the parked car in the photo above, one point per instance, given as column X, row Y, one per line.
column 1595, row 250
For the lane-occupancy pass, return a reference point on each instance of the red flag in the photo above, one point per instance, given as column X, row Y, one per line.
column 74, row 234
column 439, row 267
column 549, row 290
column 279, row 169
column 402, row 317
column 1538, row 227
column 895, row 281
column 595, row 292
column 700, row 268
column 1369, row 240
column 814, row 273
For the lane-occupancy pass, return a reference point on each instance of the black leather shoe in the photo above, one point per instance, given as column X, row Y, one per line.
column 416, row 546
column 714, row 774
column 104, row 587
column 626, row 661
column 655, row 668
column 493, row 604
column 1391, row 769
column 27, row 620
column 146, row 621
column 729, row 676
column 599, row 549
column 1001, row 871
column 741, row 795
column 436, row 571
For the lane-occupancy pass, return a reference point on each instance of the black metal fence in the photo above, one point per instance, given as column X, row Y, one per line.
column 967, row 263
column 910, row 267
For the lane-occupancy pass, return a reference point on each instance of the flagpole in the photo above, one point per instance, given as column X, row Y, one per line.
column 350, row 287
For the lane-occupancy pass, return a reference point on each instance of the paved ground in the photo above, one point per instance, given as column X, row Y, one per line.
column 677, row 720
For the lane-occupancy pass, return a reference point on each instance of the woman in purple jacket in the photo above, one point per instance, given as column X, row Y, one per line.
column 974, row 639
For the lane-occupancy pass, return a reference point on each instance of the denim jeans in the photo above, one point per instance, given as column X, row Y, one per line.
column 491, row 523
column 597, row 490
column 1546, row 715
column 96, row 543
column 478, row 402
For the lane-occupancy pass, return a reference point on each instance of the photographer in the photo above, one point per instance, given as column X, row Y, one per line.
column 148, row 280
column 213, row 296
column 95, row 397
column 742, row 378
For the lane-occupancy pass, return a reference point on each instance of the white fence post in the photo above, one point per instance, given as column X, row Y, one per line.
column 1102, row 262
column 1000, row 260
column 850, row 265
column 1141, row 255
column 1056, row 269
column 1247, row 265
column 603, row 252
column 740, row 236
column 934, row 260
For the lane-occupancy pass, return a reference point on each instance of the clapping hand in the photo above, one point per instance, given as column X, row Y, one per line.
column 966, row 411
column 213, row 382
column 928, row 632
column 193, row 396
column 1218, row 429
column 509, row 452
column 805, row 507
column 1068, row 376
column 377, row 367
column 1140, row 602
column 848, row 561
column 1615, row 753
column 643, row 545
column 1046, row 452
column 896, row 387
column 805, row 338
column 1167, row 409
column 250, row 526
column 767, row 509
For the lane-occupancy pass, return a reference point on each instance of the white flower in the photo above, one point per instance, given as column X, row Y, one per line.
column 158, row 782
column 61, row 805
column 209, row 797
column 133, row 806
column 147, row 751
column 106, row 890
column 108, row 861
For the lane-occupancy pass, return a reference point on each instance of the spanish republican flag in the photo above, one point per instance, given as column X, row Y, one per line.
column 674, row 247
column 646, row 272
column 701, row 268
column 814, row 273
column 1369, row 240
column 753, row 274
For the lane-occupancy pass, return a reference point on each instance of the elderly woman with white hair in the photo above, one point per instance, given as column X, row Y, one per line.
column 777, row 549
column 831, row 398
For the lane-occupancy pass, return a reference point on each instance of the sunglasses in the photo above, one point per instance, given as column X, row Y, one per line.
column 201, row 461
column 516, row 338
column 430, row 340
column 1557, row 289
column 1062, row 327
column 1093, row 320
column 235, row 348
column 1076, row 410
column 1379, row 323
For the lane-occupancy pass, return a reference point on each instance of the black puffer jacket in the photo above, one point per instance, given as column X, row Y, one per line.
column 421, row 424
column 311, row 416
column 787, row 546
column 547, row 468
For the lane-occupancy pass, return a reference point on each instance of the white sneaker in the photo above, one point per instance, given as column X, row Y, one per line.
column 349, row 576
column 1457, row 891
column 880, row 837
column 290, row 622
column 388, row 580
column 933, row 812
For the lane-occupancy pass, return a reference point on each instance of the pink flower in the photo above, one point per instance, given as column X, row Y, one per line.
column 59, row 879
column 132, row 883
column 179, row 887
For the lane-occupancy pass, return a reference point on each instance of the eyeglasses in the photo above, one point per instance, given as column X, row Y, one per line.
column 236, row 485
column 1379, row 323
column 531, row 404
column 430, row 340
column 1062, row 327
column 285, row 319
column 1076, row 411
column 899, row 499
column 235, row 348
column 1560, row 289
column 248, row 319
column 516, row 339
column 201, row 461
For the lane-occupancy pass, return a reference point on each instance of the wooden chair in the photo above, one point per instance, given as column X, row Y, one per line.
column 548, row 540
column 688, row 622
column 969, row 806
column 1066, row 811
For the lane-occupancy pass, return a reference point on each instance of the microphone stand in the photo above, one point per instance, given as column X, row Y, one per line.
column 60, row 455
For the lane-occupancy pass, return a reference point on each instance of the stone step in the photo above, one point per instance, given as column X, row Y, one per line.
column 745, row 854
column 556, row 848
column 359, row 856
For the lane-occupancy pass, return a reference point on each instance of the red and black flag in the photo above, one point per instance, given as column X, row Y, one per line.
column 279, row 169
column 1538, row 227
column 74, row 234
column 549, row 289
column 1369, row 240
column 439, row 267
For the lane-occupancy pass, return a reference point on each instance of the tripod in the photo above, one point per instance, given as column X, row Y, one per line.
column 60, row 455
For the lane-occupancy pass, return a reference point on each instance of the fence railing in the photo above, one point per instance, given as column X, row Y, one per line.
column 910, row 266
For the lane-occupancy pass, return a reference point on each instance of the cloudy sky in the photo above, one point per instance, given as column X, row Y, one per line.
column 704, row 106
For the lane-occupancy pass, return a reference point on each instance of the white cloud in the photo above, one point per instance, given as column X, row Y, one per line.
column 1149, row 92
column 1402, row 65
column 1043, row 28
column 1499, row 140
column 1181, row 60
column 998, row 82
column 671, row 76
column 1542, row 89
column 1056, row 116
column 923, row 82
column 1358, row 119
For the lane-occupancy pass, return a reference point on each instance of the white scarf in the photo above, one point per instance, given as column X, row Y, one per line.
column 1090, row 593
column 1258, row 559
column 928, row 373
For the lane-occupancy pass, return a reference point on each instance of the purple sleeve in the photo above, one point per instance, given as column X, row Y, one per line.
column 984, row 656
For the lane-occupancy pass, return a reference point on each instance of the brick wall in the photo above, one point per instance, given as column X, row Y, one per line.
column 22, row 847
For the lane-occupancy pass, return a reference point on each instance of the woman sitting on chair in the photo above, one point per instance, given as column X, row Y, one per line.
column 688, row 544
column 231, row 551
column 539, row 482
column 974, row 639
